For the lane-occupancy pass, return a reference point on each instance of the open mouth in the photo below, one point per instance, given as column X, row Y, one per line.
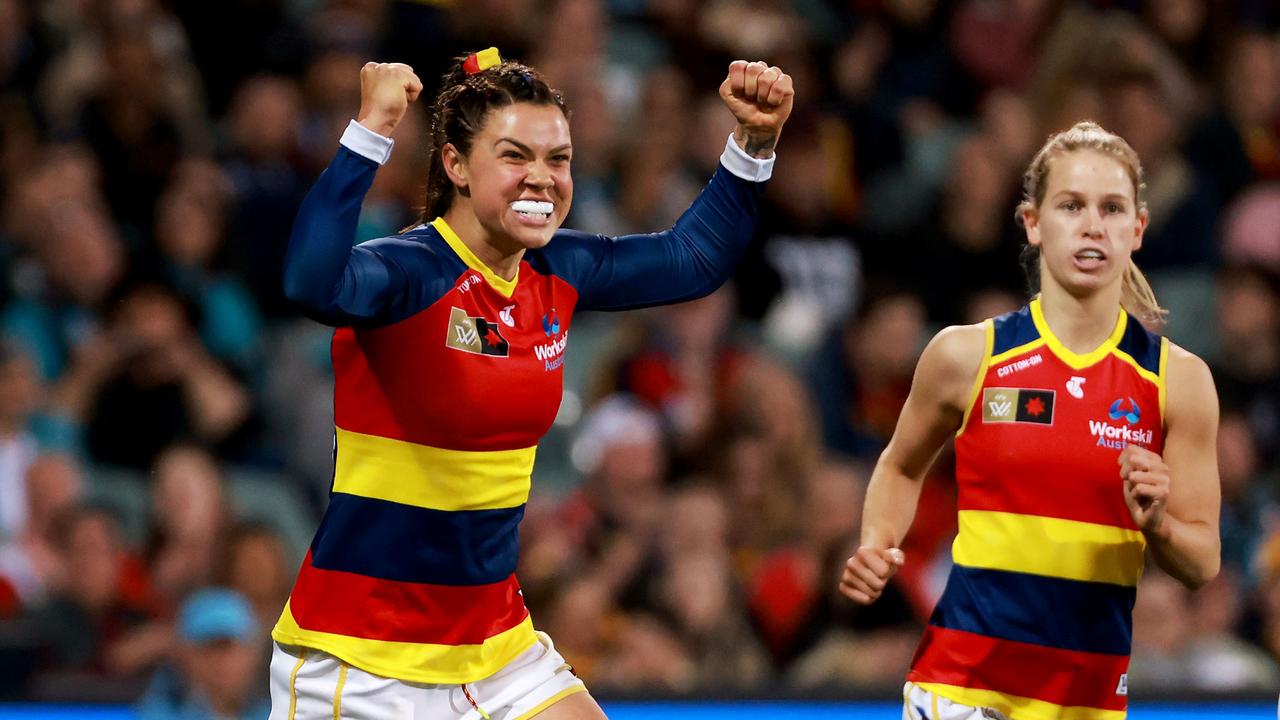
column 1089, row 258
column 537, row 211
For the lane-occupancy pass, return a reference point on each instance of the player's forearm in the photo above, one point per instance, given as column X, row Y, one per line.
column 694, row 257
column 1191, row 552
column 890, row 506
column 757, row 144
column 324, row 231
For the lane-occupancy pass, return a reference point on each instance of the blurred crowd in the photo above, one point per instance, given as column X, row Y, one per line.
column 166, row 419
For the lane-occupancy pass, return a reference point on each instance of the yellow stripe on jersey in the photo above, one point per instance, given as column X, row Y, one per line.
column 427, row 477
column 989, row 328
column 1077, row 361
column 1051, row 547
column 1015, row 352
column 1017, row 707
column 398, row 659
column 1146, row 374
column 1164, row 366
column 506, row 288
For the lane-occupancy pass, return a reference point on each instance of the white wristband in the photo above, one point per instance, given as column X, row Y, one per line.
column 737, row 161
column 367, row 143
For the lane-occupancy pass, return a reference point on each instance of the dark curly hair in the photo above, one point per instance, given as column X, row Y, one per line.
column 459, row 113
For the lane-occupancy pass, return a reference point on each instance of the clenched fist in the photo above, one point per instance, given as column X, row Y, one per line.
column 868, row 571
column 760, row 97
column 386, row 89
column 1146, row 486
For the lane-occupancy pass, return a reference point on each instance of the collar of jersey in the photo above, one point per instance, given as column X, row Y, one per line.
column 505, row 287
column 1077, row 361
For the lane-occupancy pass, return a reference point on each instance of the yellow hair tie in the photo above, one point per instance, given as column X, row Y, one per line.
column 481, row 61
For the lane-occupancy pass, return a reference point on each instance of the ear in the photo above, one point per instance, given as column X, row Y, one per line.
column 1140, row 228
column 1031, row 222
column 455, row 165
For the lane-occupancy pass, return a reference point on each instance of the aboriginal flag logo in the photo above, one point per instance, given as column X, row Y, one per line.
column 475, row 335
column 1035, row 406
column 1001, row 405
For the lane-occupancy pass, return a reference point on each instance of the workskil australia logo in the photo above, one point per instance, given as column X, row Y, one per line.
column 552, row 353
column 1117, row 436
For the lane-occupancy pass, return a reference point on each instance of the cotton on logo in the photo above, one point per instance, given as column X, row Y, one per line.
column 1074, row 386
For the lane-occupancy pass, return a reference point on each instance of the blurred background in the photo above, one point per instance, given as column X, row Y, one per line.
column 166, row 417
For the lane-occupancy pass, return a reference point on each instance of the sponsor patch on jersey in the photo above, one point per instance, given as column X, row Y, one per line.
column 1019, row 365
column 1119, row 435
column 1002, row 405
column 475, row 335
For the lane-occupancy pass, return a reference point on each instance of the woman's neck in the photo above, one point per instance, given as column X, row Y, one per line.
column 1082, row 324
column 464, row 222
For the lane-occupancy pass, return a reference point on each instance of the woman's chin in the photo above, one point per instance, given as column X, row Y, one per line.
column 1083, row 284
column 533, row 238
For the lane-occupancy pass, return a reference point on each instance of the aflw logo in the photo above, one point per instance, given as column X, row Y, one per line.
column 1002, row 407
column 475, row 335
column 466, row 335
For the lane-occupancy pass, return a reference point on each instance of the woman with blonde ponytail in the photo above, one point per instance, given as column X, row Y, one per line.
column 1083, row 440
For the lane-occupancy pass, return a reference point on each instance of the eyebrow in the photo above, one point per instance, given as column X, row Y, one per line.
column 526, row 149
column 1109, row 196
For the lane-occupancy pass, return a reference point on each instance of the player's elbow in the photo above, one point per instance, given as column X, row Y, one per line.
column 300, row 290
column 312, row 298
column 1203, row 572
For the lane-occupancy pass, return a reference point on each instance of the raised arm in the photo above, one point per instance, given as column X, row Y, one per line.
column 1175, row 497
column 935, row 408
column 330, row 280
column 699, row 253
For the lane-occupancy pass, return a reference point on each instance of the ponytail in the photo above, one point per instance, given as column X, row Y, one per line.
column 1136, row 295
column 1139, row 300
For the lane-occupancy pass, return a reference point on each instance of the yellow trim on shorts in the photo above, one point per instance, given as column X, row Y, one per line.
column 293, row 684
column 989, row 327
column 414, row 662
column 580, row 687
column 1021, row 708
column 1077, row 550
column 428, row 477
column 337, row 690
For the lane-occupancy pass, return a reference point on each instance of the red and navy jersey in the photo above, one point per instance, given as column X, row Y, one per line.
column 1036, row 617
column 446, row 376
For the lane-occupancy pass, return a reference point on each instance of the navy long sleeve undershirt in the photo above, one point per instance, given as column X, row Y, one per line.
column 389, row 279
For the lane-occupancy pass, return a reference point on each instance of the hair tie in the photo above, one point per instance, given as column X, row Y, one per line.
column 480, row 61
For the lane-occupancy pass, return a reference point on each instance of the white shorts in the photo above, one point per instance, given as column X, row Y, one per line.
column 920, row 704
column 308, row 684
